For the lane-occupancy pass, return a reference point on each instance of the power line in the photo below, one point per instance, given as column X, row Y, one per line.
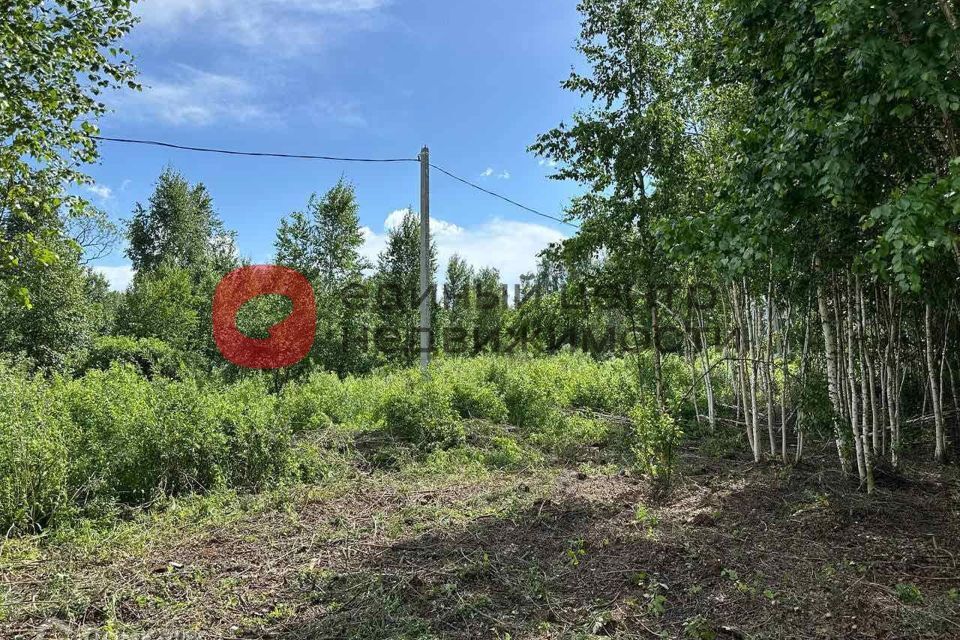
column 258, row 154
column 504, row 198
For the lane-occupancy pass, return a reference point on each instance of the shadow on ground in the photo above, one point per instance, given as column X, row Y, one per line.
column 768, row 553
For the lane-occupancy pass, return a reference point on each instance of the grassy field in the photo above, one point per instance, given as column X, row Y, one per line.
column 469, row 542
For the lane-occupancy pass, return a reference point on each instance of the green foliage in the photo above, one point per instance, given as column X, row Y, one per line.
column 149, row 356
column 180, row 249
column 490, row 312
column 908, row 593
column 258, row 446
column 142, row 438
column 258, row 315
column 316, row 403
column 606, row 386
column 397, row 281
column 161, row 304
column 460, row 302
column 102, row 304
column 575, row 552
column 36, row 441
column 116, row 437
column 59, row 58
column 655, row 440
column 918, row 227
column 528, row 404
column 472, row 399
column 642, row 515
column 419, row 409
column 57, row 326
column 324, row 245
column 126, row 434
column 699, row 628
column 507, row 453
column 179, row 228
column 471, row 461
column 567, row 436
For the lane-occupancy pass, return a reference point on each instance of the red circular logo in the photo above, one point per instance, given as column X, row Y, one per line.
column 290, row 340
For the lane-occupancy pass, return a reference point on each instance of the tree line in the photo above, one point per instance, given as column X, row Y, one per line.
column 803, row 159
column 179, row 249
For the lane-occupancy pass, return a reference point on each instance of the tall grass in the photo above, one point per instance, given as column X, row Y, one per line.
column 120, row 435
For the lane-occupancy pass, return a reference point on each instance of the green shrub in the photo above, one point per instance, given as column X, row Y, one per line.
column 189, row 448
column 464, row 461
column 501, row 453
column 568, row 435
column 150, row 356
column 609, row 386
column 36, row 436
column 908, row 593
column 258, row 445
column 316, row 403
column 362, row 398
column 478, row 400
column 115, row 416
column 314, row 458
column 419, row 410
column 139, row 438
column 506, row 453
column 129, row 431
column 655, row 439
column 528, row 404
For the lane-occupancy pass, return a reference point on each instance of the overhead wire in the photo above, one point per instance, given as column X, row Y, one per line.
column 295, row 156
column 504, row 198
column 256, row 154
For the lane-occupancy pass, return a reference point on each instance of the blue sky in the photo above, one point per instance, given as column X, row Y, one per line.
column 474, row 81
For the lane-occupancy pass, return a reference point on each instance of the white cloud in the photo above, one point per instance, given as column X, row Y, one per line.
column 285, row 26
column 102, row 192
column 193, row 97
column 394, row 219
column 508, row 245
column 119, row 277
column 547, row 163
column 490, row 171
column 437, row 227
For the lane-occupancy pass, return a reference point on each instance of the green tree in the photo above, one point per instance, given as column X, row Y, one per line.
column 179, row 228
column 162, row 303
column 59, row 57
column 324, row 245
column 58, row 325
column 102, row 303
column 460, row 305
column 397, row 284
column 295, row 244
column 629, row 147
column 179, row 247
column 490, row 310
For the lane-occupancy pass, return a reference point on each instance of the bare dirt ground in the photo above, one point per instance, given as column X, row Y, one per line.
column 736, row 551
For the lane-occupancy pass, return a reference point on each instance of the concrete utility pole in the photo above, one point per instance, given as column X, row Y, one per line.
column 426, row 288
